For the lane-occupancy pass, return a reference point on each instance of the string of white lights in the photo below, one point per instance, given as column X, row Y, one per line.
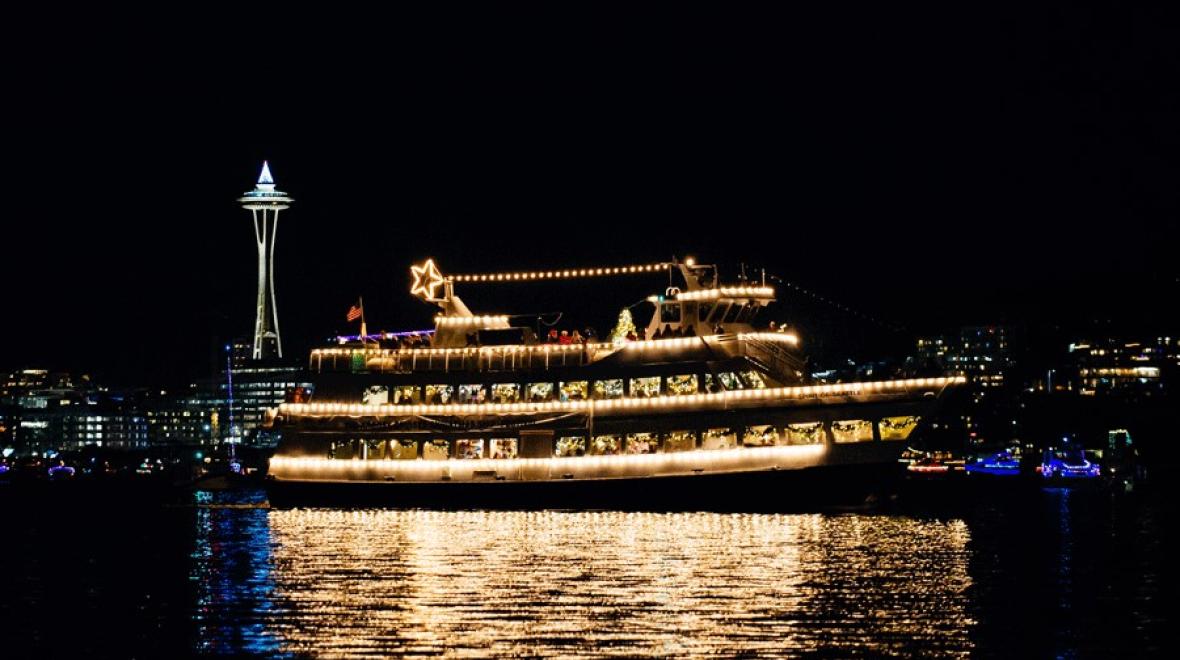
column 593, row 406
column 728, row 292
column 671, row 342
column 565, row 273
column 840, row 306
column 304, row 467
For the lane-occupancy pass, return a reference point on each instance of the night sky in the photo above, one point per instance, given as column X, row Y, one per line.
column 924, row 167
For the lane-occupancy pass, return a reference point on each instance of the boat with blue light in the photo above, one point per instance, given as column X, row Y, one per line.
column 1068, row 463
column 1004, row 463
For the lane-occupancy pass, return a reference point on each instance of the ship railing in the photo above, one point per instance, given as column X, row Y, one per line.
column 474, row 359
column 773, row 357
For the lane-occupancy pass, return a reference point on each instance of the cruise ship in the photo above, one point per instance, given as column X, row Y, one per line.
column 699, row 407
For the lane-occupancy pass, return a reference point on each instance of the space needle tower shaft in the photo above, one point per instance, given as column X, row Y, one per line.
column 264, row 204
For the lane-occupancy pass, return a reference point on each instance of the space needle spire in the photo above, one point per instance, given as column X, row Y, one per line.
column 264, row 204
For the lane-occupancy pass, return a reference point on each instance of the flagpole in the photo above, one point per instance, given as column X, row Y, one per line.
column 364, row 328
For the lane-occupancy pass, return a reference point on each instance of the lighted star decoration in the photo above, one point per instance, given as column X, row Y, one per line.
column 427, row 279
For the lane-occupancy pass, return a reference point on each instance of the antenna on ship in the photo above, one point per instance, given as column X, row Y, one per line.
column 229, row 388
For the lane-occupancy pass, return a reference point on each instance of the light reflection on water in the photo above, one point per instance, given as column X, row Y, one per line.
column 354, row 583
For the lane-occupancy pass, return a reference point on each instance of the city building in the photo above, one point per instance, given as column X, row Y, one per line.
column 45, row 411
column 1112, row 365
column 253, row 388
column 186, row 419
column 985, row 355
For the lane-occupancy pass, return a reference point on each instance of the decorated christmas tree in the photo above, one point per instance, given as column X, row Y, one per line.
column 624, row 327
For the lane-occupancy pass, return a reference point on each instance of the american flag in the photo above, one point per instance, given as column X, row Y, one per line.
column 354, row 313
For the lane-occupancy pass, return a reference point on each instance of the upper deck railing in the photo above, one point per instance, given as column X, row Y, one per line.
column 518, row 357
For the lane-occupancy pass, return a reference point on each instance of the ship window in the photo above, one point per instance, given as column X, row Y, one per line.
column 645, row 387
column 574, row 390
column 804, row 434
column 472, row 394
column 720, row 313
column 439, row 394
column 506, row 392
column 852, row 430
column 642, row 443
column 730, row 381
column 680, row 441
column 403, row 449
column 897, row 428
column 406, row 394
column 720, row 438
column 746, row 313
column 341, row 449
column 604, row 444
column 375, row 395
column 540, row 392
column 469, row 448
column 703, row 311
column 733, row 312
column 683, row 384
column 753, row 380
column 571, row 446
column 503, row 448
column 436, row 450
column 670, row 312
column 608, row 389
column 369, row 450
column 760, row 436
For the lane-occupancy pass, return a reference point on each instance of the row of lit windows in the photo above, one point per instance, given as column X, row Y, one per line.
column 763, row 435
column 577, row 390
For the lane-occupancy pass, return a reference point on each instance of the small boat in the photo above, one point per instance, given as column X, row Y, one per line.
column 1001, row 464
column 1068, row 462
column 929, row 465
column 61, row 472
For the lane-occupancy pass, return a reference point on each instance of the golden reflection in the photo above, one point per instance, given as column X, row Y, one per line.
column 553, row 583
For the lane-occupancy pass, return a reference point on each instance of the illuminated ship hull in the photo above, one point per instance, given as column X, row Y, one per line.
column 699, row 409
column 758, row 449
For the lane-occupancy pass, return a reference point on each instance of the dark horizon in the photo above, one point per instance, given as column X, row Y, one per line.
column 1004, row 171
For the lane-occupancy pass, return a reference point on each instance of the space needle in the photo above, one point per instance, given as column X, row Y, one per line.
column 264, row 204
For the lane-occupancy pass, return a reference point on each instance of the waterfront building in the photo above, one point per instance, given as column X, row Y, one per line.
column 1122, row 366
column 101, row 425
column 183, row 419
column 48, row 412
column 984, row 355
column 259, row 386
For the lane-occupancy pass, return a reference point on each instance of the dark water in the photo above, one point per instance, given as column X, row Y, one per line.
column 1056, row 573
